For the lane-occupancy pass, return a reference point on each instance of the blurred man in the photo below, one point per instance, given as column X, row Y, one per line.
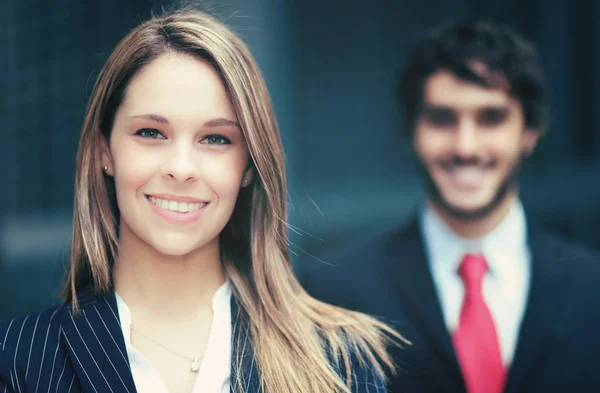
column 490, row 302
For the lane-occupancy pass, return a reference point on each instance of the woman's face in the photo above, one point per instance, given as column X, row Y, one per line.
column 177, row 155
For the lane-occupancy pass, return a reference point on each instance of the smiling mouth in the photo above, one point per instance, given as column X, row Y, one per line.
column 467, row 177
column 173, row 206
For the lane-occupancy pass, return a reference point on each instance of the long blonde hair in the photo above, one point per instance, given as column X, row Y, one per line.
column 295, row 337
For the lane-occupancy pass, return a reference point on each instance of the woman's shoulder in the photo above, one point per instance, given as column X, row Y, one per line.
column 358, row 368
column 24, row 335
column 358, row 347
column 364, row 376
column 33, row 341
column 24, row 332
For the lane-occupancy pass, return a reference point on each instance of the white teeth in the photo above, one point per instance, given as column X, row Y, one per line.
column 181, row 207
column 468, row 176
column 469, row 173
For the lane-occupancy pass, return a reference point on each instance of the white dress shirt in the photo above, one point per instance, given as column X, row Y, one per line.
column 214, row 373
column 505, row 285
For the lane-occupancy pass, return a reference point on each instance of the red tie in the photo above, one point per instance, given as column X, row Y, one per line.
column 475, row 339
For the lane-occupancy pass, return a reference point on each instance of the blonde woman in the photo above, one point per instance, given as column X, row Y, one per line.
column 180, row 278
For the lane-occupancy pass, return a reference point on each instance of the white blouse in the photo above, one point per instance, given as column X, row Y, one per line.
column 214, row 373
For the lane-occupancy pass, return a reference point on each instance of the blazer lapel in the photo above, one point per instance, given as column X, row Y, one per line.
column 549, row 278
column 96, row 345
column 244, row 370
column 410, row 275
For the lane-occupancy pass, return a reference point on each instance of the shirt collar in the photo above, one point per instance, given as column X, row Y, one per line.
column 445, row 249
column 222, row 298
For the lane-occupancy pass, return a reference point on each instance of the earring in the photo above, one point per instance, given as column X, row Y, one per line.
column 246, row 181
column 105, row 168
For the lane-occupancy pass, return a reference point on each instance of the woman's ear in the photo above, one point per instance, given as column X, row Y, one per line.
column 107, row 162
column 248, row 176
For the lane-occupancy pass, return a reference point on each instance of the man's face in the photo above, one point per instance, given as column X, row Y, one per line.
column 470, row 140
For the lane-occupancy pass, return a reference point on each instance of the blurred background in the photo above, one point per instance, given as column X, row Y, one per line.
column 331, row 69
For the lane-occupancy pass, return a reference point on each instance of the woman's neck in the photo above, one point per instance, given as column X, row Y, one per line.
column 175, row 288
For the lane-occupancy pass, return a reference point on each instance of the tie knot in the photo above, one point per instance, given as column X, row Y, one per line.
column 472, row 269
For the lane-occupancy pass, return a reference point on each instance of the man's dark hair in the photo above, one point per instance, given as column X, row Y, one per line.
column 510, row 62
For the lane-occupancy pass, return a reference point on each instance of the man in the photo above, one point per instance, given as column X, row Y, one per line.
column 490, row 302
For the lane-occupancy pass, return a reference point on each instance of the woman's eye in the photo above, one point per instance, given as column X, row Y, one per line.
column 150, row 133
column 215, row 140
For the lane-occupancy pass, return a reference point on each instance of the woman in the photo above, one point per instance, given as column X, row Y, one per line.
column 180, row 277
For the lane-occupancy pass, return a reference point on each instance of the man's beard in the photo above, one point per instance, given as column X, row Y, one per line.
column 509, row 183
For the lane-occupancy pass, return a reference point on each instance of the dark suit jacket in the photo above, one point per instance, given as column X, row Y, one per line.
column 58, row 351
column 388, row 276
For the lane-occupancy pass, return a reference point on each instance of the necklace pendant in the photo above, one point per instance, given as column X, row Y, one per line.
column 195, row 365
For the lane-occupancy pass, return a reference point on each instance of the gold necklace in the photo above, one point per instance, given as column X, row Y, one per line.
column 196, row 361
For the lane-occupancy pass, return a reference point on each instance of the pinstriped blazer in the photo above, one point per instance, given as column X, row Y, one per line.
column 57, row 351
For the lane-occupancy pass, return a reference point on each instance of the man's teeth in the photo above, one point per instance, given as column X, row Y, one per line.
column 468, row 174
column 181, row 207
